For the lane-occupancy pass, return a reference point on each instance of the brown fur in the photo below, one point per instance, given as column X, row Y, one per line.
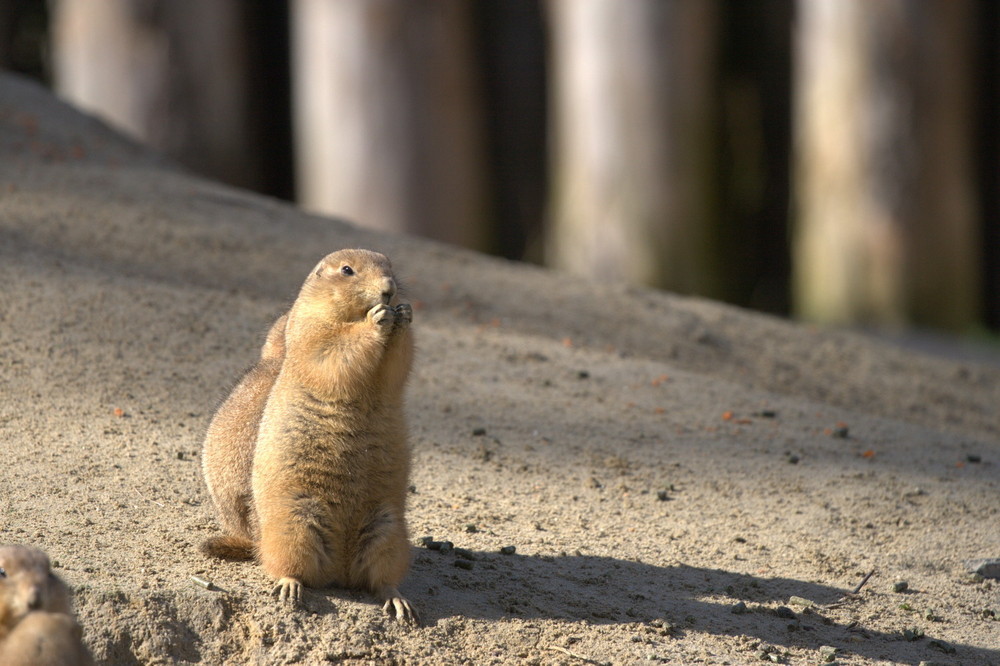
column 36, row 621
column 45, row 639
column 27, row 585
column 227, row 456
column 331, row 462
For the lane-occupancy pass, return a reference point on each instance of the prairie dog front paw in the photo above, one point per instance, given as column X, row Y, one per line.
column 382, row 315
column 404, row 314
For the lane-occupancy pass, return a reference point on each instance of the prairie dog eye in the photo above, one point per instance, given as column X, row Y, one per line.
column 3, row 574
column 346, row 270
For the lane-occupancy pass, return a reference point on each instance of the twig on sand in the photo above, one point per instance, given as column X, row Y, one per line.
column 863, row 581
column 850, row 595
column 575, row 655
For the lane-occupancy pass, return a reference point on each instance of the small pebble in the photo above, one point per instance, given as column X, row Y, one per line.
column 988, row 568
column 900, row 586
column 662, row 495
column 478, row 432
column 801, row 601
column 944, row 646
column 827, row 653
column 202, row 583
column 471, row 528
column 463, row 564
column 583, row 374
column 465, row 554
column 841, row 432
column 508, row 550
column 793, row 459
column 784, row 612
column 973, row 458
column 738, row 608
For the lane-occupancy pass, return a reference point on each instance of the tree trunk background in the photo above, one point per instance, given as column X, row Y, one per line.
column 387, row 118
column 175, row 75
column 886, row 228
column 633, row 155
column 511, row 42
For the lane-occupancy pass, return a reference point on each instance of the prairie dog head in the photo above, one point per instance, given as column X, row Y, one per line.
column 28, row 584
column 345, row 285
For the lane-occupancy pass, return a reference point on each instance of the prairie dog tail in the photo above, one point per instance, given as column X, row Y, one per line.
column 228, row 547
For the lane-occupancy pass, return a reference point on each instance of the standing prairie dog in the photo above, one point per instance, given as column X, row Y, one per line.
column 36, row 622
column 227, row 457
column 331, row 461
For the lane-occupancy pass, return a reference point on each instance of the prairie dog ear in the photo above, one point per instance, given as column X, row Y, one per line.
column 321, row 269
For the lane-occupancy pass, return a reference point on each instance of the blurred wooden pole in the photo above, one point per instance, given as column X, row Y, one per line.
column 386, row 115
column 174, row 75
column 633, row 154
column 886, row 212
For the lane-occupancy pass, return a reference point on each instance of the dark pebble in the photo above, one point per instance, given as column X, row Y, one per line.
column 583, row 374
column 465, row 554
column 784, row 612
column 900, row 586
column 944, row 646
column 738, row 608
column 431, row 544
column 766, row 414
column 974, row 459
column 478, row 432
column 662, row 495
column 508, row 550
column 464, row 564
column 841, row 432
column 793, row 459
column 471, row 529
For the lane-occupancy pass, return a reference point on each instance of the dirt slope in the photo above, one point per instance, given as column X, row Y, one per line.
column 658, row 462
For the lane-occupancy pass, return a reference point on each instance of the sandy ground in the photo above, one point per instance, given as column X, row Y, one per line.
column 684, row 482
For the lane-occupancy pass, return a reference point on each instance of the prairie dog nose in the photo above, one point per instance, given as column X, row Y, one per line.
column 388, row 289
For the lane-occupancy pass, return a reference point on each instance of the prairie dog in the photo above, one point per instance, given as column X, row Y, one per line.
column 227, row 456
column 45, row 639
column 36, row 622
column 27, row 584
column 331, row 462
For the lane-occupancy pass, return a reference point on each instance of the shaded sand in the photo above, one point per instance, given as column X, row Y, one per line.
column 655, row 460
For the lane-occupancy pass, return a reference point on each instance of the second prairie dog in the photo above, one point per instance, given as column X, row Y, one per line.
column 45, row 639
column 227, row 457
column 27, row 584
column 331, row 461
column 36, row 622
